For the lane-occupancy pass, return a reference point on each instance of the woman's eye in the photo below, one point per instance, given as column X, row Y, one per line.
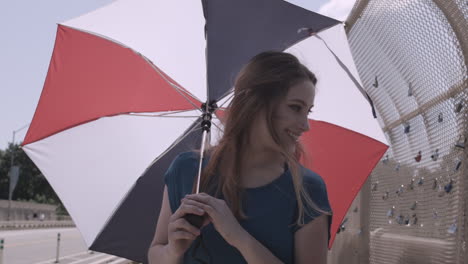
column 295, row 108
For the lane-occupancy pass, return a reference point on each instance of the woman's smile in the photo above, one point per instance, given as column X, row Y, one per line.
column 294, row 136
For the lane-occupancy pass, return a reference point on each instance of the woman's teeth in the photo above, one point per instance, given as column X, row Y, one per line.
column 294, row 136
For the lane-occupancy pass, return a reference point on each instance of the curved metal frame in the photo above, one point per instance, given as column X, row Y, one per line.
column 459, row 25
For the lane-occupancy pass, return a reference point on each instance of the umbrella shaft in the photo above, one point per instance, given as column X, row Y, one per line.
column 202, row 153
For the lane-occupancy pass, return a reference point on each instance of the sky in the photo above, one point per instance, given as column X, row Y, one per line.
column 27, row 36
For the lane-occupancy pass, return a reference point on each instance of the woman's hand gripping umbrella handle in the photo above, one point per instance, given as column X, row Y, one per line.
column 195, row 220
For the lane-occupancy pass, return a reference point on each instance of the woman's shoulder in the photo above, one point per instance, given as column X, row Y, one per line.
column 179, row 177
column 185, row 160
column 188, row 156
column 316, row 187
column 312, row 179
column 183, row 165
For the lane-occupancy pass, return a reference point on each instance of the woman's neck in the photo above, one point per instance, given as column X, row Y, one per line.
column 259, row 167
column 262, row 158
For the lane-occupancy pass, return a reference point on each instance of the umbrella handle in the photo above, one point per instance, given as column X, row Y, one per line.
column 195, row 220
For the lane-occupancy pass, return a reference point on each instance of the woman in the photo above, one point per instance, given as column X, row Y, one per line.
column 259, row 205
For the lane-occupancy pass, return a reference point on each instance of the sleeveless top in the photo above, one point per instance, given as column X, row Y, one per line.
column 271, row 212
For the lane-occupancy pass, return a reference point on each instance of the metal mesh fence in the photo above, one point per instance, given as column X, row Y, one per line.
column 411, row 57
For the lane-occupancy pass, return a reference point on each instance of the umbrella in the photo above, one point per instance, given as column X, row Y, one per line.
column 125, row 91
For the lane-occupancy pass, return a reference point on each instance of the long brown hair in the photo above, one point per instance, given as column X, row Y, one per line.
column 259, row 88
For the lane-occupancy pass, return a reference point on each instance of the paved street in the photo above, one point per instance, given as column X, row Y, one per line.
column 39, row 246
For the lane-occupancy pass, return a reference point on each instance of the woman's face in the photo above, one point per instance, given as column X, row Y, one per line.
column 289, row 117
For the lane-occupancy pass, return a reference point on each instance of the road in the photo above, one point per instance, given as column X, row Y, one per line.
column 39, row 246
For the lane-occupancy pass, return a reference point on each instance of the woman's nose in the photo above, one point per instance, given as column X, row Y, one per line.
column 305, row 126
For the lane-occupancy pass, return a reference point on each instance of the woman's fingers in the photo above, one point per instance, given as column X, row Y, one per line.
column 192, row 202
column 203, row 198
column 180, row 234
column 182, row 225
column 208, row 203
column 186, row 209
column 206, row 207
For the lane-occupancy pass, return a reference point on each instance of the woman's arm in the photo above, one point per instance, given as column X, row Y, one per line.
column 311, row 242
column 158, row 251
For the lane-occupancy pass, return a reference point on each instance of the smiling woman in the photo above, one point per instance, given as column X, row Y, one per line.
column 259, row 204
column 291, row 115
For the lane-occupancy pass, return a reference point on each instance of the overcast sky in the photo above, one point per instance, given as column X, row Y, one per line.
column 27, row 32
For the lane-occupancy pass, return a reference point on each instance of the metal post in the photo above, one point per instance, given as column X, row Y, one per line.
column 365, row 210
column 9, row 178
column 2, row 241
column 58, row 249
column 11, row 166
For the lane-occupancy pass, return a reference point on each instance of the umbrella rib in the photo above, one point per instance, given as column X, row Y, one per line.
column 227, row 100
column 174, row 112
column 226, row 93
column 194, row 128
column 343, row 66
column 218, row 127
column 165, row 115
column 182, row 92
column 168, row 116
column 176, row 87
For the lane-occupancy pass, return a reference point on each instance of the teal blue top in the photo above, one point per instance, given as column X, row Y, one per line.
column 271, row 212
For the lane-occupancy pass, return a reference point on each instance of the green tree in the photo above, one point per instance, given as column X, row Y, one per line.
column 1, row 156
column 32, row 185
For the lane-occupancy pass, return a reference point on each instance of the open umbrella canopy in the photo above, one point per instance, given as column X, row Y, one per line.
column 123, row 97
